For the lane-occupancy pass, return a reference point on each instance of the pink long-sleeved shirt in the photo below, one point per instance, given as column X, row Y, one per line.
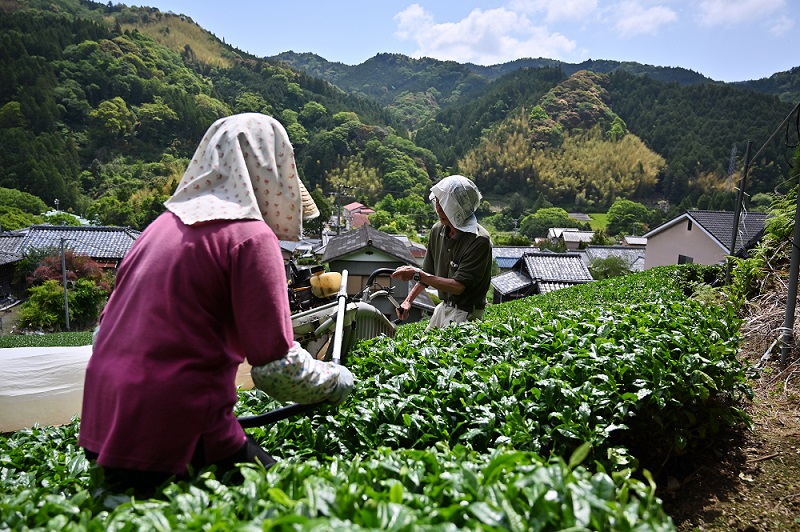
column 190, row 304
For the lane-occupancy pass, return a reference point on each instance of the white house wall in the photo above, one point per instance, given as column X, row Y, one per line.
column 663, row 248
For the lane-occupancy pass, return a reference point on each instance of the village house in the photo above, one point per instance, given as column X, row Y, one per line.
column 365, row 250
column 702, row 237
column 104, row 244
column 540, row 273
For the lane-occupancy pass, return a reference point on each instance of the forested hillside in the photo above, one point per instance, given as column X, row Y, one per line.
column 570, row 147
column 102, row 104
column 96, row 113
column 690, row 120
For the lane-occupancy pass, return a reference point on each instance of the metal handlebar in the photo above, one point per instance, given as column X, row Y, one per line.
column 285, row 412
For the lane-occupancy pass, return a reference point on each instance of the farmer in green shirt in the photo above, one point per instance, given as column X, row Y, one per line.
column 458, row 261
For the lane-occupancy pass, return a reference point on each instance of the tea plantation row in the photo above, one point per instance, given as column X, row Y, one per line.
column 535, row 418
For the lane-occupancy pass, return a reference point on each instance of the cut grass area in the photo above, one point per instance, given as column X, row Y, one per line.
column 599, row 221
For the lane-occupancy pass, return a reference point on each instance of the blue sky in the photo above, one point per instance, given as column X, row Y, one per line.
column 726, row 40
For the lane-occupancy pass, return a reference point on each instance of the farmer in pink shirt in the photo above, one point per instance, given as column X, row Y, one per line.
column 204, row 289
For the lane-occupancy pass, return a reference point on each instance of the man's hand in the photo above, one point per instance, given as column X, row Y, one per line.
column 402, row 310
column 404, row 273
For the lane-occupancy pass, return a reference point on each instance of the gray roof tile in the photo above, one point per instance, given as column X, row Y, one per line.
column 559, row 267
column 9, row 258
column 109, row 243
column 632, row 255
column 719, row 225
column 364, row 237
column 510, row 282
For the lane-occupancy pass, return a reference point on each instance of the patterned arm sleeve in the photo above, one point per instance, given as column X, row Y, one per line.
column 300, row 378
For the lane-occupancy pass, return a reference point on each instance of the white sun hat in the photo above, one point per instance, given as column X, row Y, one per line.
column 459, row 198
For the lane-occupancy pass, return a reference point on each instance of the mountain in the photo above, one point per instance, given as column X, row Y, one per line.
column 785, row 85
column 102, row 105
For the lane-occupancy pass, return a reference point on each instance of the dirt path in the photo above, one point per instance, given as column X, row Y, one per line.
column 752, row 480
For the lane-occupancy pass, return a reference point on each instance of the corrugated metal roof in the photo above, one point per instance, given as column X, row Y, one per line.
column 577, row 236
column 111, row 243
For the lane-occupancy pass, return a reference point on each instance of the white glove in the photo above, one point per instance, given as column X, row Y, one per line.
column 300, row 378
column 343, row 387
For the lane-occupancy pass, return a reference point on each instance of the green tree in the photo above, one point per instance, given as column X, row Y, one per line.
column 251, row 102
column 156, row 120
column 62, row 218
column 25, row 202
column 11, row 116
column 112, row 120
column 312, row 113
column 611, row 266
column 315, row 226
column 44, row 308
column 536, row 225
column 628, row 217
column 12, row 218
column 109, row 210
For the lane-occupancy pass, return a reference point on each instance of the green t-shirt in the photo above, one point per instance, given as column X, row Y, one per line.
column 466, row 257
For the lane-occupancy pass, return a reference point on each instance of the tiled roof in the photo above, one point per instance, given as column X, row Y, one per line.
column 364, row 237
column 548, row 271
column 509, row 282
column 634, row 256
column 577, row 236
column 359, row 219
column 558, row 267
column 545, row 287
column 9, row 242
column 9, row 258
column 505, row 263
column 719, row 226
column 512, row 251
column 97, row 242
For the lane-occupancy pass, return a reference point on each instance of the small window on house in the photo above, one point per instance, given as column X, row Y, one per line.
column 683, row 259
column 689, row 226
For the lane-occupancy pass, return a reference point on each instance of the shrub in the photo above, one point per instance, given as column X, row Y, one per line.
column 44, row 308
column 611, row 266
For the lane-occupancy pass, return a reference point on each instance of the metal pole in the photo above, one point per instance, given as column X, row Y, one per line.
column 64, row 281
column 791, row 298
column 339, row 330
column 737, row 211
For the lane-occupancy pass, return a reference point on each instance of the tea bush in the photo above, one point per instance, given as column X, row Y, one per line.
column 531, row 419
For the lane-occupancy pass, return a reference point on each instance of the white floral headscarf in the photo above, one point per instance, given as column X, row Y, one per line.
column 244, row 169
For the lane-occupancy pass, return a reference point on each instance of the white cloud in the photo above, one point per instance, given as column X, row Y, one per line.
column 556, row 9
column 633, row 18
column 781, row 26
column 483, row 37
column 718, row 12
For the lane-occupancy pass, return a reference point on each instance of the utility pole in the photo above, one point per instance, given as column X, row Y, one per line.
column 64, row 280
column 737, row 212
